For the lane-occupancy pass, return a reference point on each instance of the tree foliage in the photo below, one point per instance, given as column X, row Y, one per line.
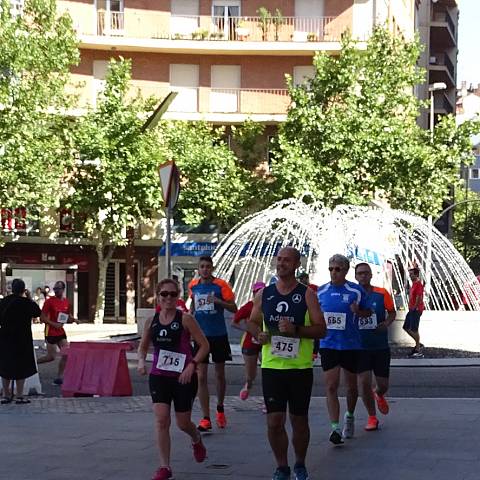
column 115, row 182
column 467, row 225
column 214, row 187
column 37, row 50
column 352, row 132
column 114, row 186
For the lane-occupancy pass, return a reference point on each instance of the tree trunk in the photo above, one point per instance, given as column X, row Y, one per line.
column 103, row 260
column 130, row 276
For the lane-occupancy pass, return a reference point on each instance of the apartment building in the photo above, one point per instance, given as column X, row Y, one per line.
column 227, row 59
column 437, row 24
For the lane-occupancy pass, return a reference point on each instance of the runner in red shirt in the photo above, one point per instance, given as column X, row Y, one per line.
column 250, row 347
column 415, row 310
column 56, row 312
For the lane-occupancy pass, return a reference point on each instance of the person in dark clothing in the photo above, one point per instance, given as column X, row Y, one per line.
column 17, row 361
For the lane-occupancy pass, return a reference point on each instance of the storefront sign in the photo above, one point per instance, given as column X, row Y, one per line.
column 190, row 249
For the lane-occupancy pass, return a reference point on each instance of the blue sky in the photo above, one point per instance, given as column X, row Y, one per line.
column 469, row 42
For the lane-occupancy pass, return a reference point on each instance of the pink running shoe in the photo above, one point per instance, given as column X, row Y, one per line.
column 244, row 393
column 163, row 473
column 199, row 451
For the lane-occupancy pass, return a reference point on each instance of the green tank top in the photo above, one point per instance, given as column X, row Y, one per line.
column 282, row 352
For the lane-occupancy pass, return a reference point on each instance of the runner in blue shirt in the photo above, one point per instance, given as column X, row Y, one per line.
column 341, row 301
column 375, row 355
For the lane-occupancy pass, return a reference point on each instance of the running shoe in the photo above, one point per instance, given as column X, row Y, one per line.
column 336, row 437
column 348, row 426
column 199, row 451
column 221, row 420
column 244, row 393
column 281, row 473
column 372, row 424
column 382, row 403
column 163, row 473
column 58, row 381
column 205, row 425
column 300, row 472
column 418, row 355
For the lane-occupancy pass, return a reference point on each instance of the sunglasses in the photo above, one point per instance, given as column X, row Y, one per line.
column 365, row 272
column 337, row 269
column 165, row 294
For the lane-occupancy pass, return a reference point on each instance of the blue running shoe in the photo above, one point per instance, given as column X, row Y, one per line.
column 300, row 472
column 281, row 473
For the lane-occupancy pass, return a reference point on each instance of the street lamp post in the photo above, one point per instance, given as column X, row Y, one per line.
column 434, row 87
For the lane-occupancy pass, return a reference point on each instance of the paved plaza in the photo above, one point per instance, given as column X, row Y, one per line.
column 113, row 439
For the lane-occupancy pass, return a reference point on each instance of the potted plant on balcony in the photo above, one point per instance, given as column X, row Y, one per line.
column 278, row 20
column 264, row 21
column 312, row 37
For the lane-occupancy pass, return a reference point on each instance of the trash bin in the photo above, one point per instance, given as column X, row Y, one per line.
column 97, row 368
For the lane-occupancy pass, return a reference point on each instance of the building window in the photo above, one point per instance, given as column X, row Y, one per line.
column 184, row 79
column 302, row 74
column 16, row 7
column 474, row 173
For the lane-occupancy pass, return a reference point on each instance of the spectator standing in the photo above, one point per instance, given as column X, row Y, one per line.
column 17, row 361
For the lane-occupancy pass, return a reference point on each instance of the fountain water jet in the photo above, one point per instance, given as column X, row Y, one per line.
column 391, row 241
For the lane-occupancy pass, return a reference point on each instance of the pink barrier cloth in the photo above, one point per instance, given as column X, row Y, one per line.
column 97, row 368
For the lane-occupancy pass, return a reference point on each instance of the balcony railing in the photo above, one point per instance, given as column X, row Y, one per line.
column 221, row 100
column 110, row 23
column 163, row 25
column 445, row 17
column 443, row 60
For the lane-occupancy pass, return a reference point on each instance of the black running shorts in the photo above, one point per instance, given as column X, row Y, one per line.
column 167, row 389
column 292, row 387
column 377, row 361
column 55, row 339
column 219, row 350
column 347, row 359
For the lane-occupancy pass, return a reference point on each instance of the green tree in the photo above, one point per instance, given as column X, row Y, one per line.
column 466, row 225
column 114, row 186
column 352, row 132
column 37, row 50
column 215, row 189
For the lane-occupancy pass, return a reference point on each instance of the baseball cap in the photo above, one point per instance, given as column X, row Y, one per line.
column 257, row 286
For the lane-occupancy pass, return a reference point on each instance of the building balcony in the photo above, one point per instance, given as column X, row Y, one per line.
column 443, row 30
column 442, row 69
column 221, row 104
column 133, row 29
column 443, row 106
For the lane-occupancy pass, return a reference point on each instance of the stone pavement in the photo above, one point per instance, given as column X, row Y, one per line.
column 113, row 439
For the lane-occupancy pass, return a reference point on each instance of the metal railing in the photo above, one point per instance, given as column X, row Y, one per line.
column 220, row 100
column 163, row 25
column 110, row 23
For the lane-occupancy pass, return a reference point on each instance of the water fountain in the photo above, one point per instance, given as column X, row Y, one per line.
column 391, row 241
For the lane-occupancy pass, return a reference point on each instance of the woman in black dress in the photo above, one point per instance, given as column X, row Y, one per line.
column 17, row 361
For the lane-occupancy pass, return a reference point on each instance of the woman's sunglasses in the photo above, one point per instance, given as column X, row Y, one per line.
column 165, row 294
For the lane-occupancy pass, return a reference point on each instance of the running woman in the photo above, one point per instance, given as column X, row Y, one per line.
column 375, row 356
column 211, row 297
column 250, row 347
column 285, row 318
column 173, row 375
column 56, row 312
column 340, row 301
